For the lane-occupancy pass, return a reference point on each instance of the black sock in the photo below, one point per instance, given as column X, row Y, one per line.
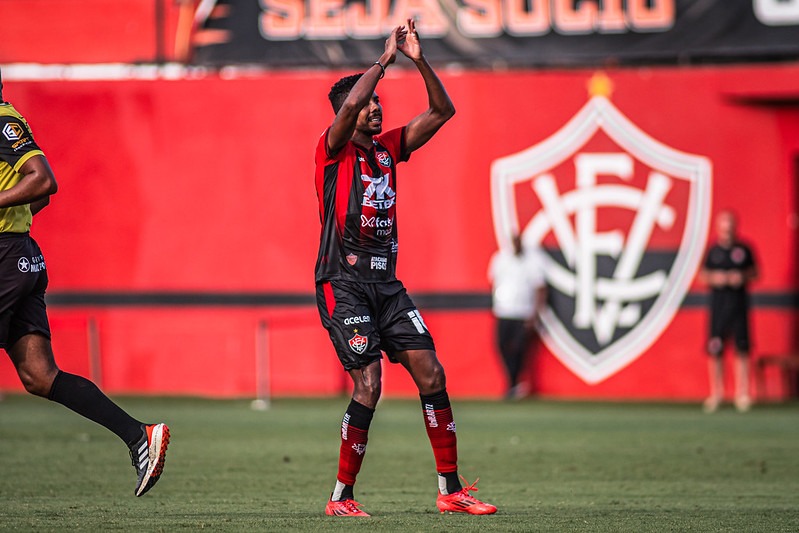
column 82, row 396
column 453, row 483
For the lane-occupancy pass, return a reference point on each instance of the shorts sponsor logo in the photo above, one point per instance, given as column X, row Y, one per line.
column 379, row 263
column 622, row 218
column 34, row 264
column 358, row 343
column 352, row 259
column 13, row 132
column 364, row 319
column 384, row 159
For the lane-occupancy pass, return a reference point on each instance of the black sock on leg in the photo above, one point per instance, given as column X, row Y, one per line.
column 83, row 397
column 453, row 483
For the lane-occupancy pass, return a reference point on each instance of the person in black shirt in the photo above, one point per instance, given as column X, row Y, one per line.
column 729, row 268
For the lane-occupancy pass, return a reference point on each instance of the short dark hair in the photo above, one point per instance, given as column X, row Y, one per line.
column 339, row 91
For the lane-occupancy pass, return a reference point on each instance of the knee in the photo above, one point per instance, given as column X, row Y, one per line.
column 367, row 392
column 37, row 383
column 434, row 380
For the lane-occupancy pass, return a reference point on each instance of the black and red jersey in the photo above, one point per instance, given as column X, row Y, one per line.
column 357, row 192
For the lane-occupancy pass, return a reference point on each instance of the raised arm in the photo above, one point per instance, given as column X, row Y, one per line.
column 344, row 124
column 422, row 128
column 36, row 184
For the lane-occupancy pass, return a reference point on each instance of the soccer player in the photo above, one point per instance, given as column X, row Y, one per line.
column 26, row 184
column 362, row 304
column 729, row 268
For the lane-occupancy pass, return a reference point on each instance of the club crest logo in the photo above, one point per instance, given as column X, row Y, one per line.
column 622, row 219
column 384, row 159
column 358, row 343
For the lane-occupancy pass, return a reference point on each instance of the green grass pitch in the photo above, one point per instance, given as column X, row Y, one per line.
column 548, row 466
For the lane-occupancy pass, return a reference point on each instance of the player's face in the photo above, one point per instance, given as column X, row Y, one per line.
column 370, row 119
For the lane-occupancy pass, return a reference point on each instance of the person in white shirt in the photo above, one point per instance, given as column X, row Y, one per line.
column 519, row 294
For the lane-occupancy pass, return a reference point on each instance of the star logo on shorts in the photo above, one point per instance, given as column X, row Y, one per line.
column 23, row 264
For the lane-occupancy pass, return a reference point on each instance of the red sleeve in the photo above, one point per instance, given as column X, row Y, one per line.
column 394, row 141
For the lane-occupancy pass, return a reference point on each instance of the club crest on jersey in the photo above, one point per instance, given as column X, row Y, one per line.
column 352, row 259
column 383, row 158
column 623, row 220
column 358, row 343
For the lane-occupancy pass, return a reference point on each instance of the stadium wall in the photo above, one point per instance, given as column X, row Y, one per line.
column 182, row 241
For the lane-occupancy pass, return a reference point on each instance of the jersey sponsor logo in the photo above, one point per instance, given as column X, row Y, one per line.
column 13, row 132
column 379, row 263
column 358, row 343
column 357, row 320
column 383, row 158
column 622, row 218
column 378, row 194
column 383, row 225
column 352, row 259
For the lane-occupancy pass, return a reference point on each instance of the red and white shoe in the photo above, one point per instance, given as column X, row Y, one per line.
column 148, row 456
column 344, row 508
column 463, row 502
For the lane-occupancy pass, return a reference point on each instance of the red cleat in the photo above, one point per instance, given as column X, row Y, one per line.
column 344, row 508
column 463, row 502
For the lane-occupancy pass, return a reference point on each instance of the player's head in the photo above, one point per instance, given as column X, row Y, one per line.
column 339, row 91
column 726, row 223
column 370, row 118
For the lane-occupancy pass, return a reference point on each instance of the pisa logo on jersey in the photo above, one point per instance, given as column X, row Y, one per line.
column 623, row 220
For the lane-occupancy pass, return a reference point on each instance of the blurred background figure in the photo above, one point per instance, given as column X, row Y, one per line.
column 519, row 295
column 728, row 269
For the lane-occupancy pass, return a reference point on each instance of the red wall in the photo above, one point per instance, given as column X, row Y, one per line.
column 206, row 185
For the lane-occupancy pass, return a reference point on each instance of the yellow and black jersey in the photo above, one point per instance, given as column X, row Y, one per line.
column 16, row 147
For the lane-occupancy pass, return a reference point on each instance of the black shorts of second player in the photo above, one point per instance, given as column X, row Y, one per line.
column 725, row 324
column 365, row 319
column 23, row 281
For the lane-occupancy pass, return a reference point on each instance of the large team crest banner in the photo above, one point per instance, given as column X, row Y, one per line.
column 496, row 33
column 622, row 219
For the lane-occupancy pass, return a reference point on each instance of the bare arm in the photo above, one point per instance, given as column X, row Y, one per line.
column 36, row 185
column 422, row 128
column 344, row 124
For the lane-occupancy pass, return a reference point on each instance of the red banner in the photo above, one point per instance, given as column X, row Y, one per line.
column 204, row 186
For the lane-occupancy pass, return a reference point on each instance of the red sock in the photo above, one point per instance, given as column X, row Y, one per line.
column 440, row 428
column 354, row 434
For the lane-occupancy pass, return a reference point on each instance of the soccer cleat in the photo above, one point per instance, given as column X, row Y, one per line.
column 463, row 502
column 148, row 456
column 344, row 508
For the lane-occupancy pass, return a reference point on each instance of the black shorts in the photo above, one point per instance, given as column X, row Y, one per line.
column 364, row 319
column 726, row 322
column 23, row 281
